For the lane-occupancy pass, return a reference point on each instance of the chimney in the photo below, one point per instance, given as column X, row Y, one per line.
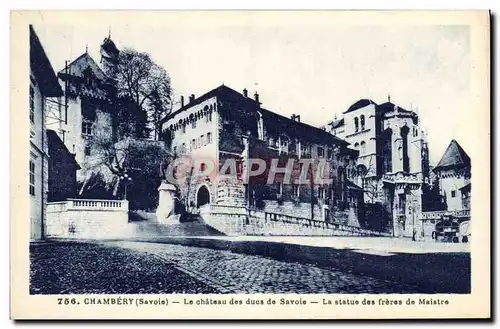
column 191, row 98
column 182, row 101
column 256, row 95
column 295, row 117
column 245, row 92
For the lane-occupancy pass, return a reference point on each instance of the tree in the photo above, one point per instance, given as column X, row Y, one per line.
column 144, row 87
column 371, row 187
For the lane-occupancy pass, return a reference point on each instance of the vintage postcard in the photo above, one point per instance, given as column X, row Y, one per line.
column 250, row 164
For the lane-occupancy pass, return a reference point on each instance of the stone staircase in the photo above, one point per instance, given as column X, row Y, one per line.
column 193, row 227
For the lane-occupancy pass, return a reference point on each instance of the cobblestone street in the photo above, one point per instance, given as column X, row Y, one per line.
column 230, row 272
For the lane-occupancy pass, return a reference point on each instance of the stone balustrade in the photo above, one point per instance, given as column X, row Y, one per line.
column 430, row 215
column 87, row 218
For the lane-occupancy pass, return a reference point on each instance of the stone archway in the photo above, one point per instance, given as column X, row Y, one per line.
column 203, row 196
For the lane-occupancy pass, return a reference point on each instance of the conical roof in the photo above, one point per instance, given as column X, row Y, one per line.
column 454, row 156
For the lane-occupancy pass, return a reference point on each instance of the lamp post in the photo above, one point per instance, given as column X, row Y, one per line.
column 126, row 179
column 413, row 230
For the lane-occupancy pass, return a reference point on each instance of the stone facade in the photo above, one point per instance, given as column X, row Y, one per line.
column 86, row 110
column 225, row 127
column 393, row 162
column 43, row 88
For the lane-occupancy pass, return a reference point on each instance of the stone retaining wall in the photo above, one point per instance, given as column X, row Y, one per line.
column 235, row 221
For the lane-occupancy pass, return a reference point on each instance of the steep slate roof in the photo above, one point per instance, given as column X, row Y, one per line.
column 78, row 66
column 55, row 140
column 360, row 104
column 41, row 67
column 389, row 106
column 294, row 128
column 454, row 156
column 222, row 90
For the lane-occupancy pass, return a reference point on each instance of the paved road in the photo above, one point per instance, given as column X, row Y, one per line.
column 229, row 272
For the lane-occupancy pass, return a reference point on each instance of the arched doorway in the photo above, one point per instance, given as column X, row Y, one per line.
column 203, row 196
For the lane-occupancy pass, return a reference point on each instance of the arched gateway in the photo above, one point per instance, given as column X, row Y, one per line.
column 203, row 196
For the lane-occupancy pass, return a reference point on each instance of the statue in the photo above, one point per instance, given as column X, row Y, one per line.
column 165, row 213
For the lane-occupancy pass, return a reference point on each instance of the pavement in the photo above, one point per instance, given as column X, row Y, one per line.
column 374, row 264
column 92, row 268
column 230, row 272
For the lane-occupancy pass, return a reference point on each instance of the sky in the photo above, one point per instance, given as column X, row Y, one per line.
column 315, row 70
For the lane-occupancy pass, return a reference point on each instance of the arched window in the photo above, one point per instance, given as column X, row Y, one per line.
column 356, row 124
column 356, row 145
column 362, row 122
column 363, row 147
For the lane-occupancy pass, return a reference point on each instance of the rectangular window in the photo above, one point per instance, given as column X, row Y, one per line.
column 87, row 128
column 32, row 178
column 193, row 144
column 183, row 129
column 208, row 117
column 203, row 140
column 321, row 152
column 88, row 150
column 193, row 124
column 32, row 104
column 183, row 148
column 295, row 190
column 321, row 192
column 209, row 138
column 453, row 193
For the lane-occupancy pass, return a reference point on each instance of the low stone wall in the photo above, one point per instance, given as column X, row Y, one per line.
column 87, row 219
column 235, row 221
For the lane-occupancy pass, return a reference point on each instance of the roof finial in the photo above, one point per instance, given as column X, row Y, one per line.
column 109, row 32
column 86, row 49
column 389, row 97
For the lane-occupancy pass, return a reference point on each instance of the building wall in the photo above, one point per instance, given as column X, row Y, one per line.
column 362, row 140
column 191, row 145
column 450, row 182
column 38, row 150
column 73, row 136
column 62, row 173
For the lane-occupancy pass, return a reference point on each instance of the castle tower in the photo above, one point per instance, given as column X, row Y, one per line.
column 109, row 53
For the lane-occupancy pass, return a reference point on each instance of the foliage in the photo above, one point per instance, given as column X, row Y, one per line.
column 144, row 87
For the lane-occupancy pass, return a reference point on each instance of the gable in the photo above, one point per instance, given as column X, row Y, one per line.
column 82, row 63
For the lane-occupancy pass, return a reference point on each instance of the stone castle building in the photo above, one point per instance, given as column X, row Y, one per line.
column 85, row 112
column 393, row 162
column 224, row 125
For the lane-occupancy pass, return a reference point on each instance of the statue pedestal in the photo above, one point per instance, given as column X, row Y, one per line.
column 165, row 213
